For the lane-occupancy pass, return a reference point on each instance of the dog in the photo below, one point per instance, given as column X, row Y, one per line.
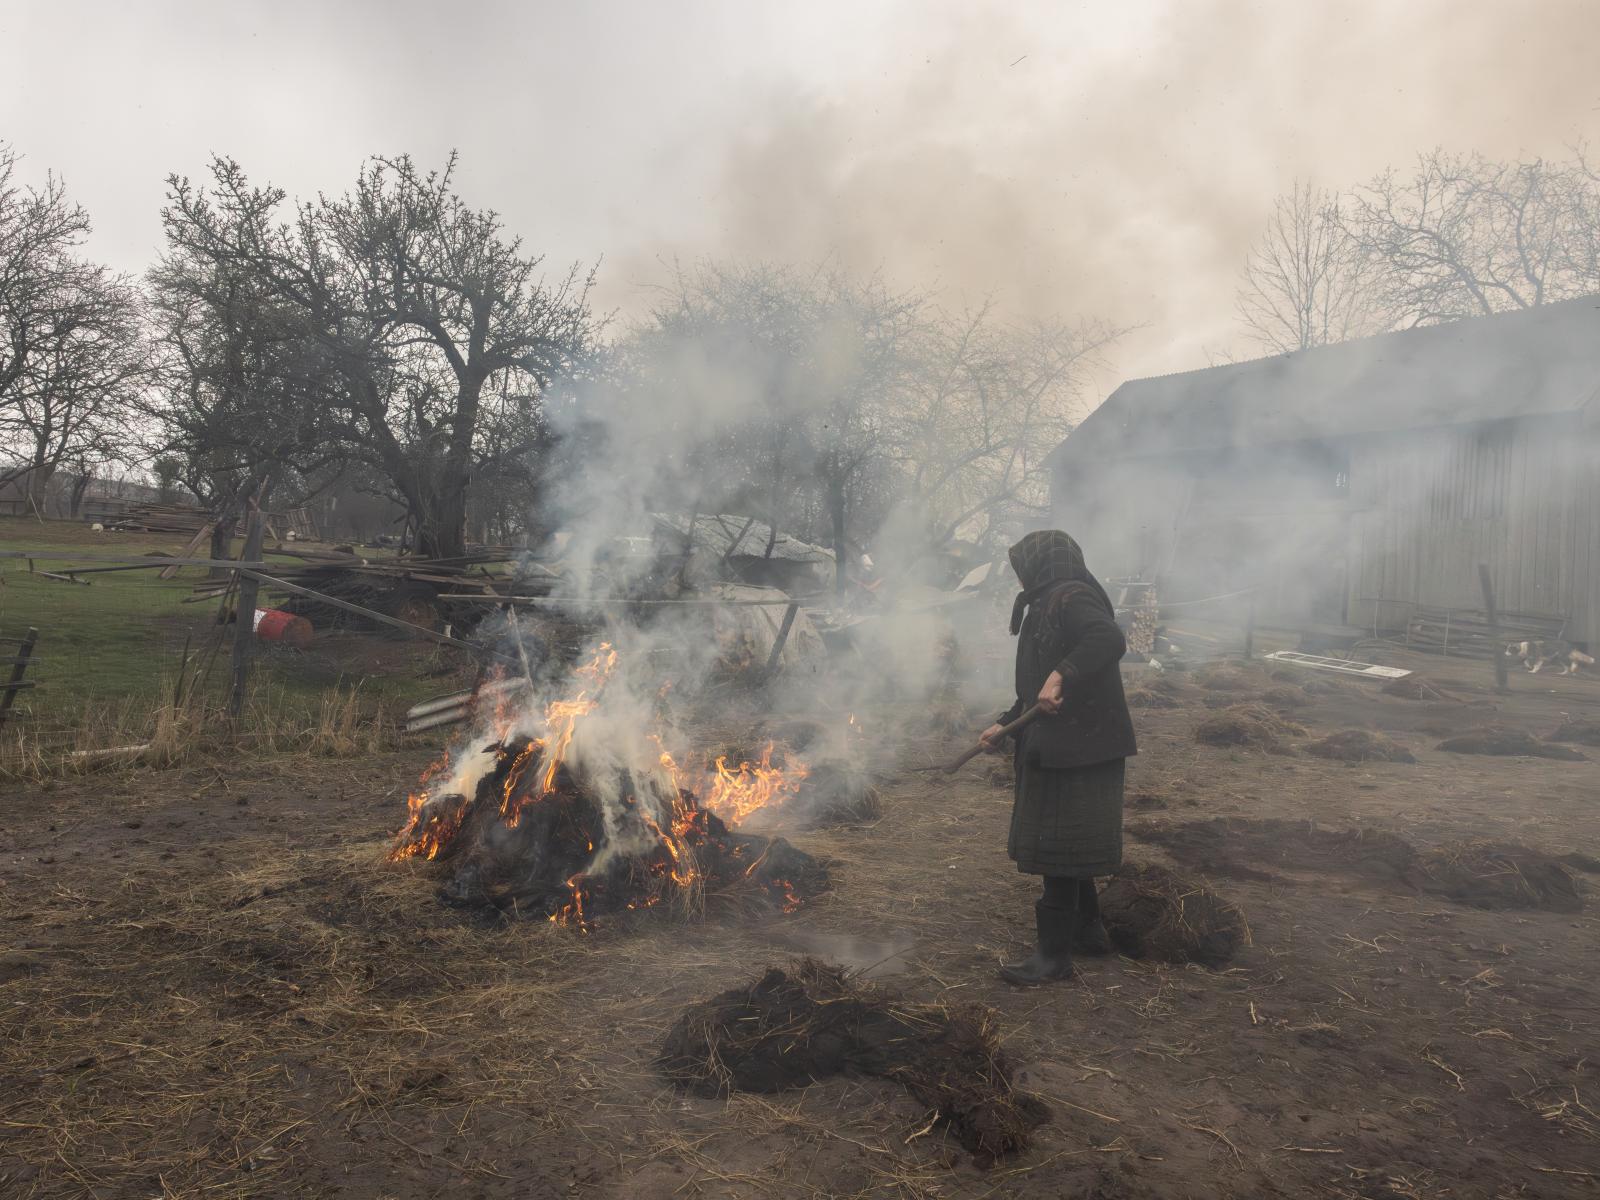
column 1537, row 655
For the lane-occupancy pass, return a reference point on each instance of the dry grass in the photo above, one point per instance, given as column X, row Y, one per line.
column 1359, row 746
column 1514, row 743
column 339, row 723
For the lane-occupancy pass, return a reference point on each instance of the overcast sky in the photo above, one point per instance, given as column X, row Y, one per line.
column 1111, row 158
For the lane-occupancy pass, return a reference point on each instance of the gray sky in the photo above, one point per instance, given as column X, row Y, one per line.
column 1101, row 158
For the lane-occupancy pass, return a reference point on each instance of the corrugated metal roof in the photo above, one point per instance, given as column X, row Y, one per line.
column 1534, row 361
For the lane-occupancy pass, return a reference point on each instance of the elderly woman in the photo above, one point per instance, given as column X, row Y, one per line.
column 1066, row 822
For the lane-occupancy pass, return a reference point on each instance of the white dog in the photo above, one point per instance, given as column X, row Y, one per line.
column 1537, row 655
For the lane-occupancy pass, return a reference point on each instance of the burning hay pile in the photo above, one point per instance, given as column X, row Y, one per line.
column 1155, row 913
column 792, row 1027
column 1253, row 726
column 567, row 827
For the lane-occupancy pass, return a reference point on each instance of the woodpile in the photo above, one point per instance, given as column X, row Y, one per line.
column 1466, row 633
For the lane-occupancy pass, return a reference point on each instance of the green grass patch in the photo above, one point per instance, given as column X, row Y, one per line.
column 121, row 640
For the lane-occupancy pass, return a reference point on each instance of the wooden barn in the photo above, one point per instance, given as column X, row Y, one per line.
column 1360, row 484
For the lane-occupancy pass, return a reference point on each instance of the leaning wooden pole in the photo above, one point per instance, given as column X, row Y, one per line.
column 244, row 610
column 19, row 668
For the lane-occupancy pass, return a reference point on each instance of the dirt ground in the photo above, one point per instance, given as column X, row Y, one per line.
column 211, row 984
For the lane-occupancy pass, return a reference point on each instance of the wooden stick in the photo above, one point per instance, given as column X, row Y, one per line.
column 780, row 640
column 1006, row 731
column 200, row 535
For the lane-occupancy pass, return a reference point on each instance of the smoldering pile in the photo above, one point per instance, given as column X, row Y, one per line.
column 534, row 840
column 791, row 1027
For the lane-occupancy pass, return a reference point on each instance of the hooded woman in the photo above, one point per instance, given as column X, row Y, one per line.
column 1066, row 823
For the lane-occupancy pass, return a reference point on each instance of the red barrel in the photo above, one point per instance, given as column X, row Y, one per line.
column 275, row 625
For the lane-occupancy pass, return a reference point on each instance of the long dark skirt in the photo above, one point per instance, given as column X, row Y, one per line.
column 1068, row 822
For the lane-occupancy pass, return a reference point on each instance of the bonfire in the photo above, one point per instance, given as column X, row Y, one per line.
column 539, row 822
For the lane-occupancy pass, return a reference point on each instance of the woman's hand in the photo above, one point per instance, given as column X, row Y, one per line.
column 1051, row 694
column 990, row 739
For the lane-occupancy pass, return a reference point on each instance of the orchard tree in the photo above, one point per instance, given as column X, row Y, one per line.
column 408, row 318
column 1309, row 281
column 72, row 357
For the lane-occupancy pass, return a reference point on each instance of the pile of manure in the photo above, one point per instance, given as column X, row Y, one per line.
column 1217, row 846
column 1500, row 875
column 1253, row 726
column 1226, row 679
column 1482, row 874
column 948, row 717
column 1359, row 746
column 809, row 1021
column 1513, row 743
column 838, row 793
column 1585, row 733
column 1158, row 914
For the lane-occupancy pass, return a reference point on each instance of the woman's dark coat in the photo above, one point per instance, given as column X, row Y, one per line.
column 1065, row 622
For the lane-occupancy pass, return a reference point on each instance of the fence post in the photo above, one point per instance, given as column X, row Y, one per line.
column 244, row 611
column 1496, row 645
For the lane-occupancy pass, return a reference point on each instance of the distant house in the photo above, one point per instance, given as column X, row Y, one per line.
column 1353, row 483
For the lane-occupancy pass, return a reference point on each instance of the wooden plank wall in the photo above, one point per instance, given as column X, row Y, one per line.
column 1434, row 504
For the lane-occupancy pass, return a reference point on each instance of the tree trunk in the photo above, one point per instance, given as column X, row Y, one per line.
column 222, row 542
column 80, row 488
column 39, row 486
column 442, row 520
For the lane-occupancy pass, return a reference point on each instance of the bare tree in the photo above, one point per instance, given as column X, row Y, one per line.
column 1308, row 281
column 420, row 312
column 1465, row 235
column 73, row 354
column 983, row 404
column 799, row 367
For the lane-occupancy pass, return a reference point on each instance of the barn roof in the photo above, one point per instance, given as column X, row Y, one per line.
column 1534, row 361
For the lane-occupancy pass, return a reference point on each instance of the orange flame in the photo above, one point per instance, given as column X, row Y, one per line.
column 737, row 792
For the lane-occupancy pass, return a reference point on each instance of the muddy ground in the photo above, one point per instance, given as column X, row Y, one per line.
column 212, row 985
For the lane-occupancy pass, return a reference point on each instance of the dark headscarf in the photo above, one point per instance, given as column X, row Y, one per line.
column 1043, row 560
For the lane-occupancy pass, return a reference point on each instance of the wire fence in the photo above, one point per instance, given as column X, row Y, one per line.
column 115, row 649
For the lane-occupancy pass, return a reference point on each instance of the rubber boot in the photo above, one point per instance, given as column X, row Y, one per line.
column 1052, row 958
column 1090, row 936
